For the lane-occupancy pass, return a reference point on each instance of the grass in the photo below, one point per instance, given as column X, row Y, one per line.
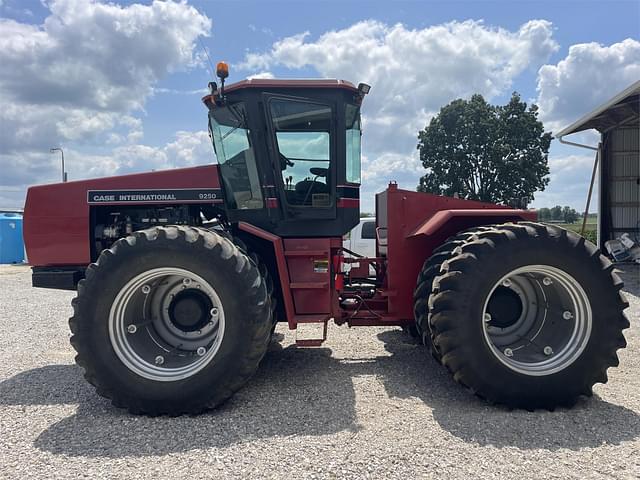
column 590, row 230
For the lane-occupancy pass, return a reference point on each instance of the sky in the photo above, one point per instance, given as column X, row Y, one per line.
column 118, row 84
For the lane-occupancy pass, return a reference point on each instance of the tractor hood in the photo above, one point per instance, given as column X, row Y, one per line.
column 57, row 216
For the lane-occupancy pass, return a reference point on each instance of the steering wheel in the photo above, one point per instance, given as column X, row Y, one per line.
column 317, row 172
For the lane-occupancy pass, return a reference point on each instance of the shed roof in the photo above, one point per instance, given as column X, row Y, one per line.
column 623, row 109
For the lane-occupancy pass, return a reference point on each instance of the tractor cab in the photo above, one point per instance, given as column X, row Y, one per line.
column 288, row 153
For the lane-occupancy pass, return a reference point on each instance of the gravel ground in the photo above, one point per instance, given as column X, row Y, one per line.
column 368, row 404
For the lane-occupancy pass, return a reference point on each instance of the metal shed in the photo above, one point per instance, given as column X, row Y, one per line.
column 617, row 162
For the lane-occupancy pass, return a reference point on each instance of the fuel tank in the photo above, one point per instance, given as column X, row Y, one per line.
column 57, row 217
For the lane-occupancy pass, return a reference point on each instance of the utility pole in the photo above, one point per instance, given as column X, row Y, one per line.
column 58, row 149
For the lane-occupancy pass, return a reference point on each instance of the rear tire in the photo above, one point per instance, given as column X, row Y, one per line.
column 135, row 325
column 551, row 347
column 430, row 270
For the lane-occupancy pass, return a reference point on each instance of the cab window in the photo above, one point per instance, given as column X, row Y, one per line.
column 353, row 139
column 369, row 230
column 303, row 132
column 235, row 154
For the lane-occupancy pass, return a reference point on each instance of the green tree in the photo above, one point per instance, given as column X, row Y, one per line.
column 556, row 213
column 564, row 214
column 569, row 215
column 493, row 153
column 544, row 214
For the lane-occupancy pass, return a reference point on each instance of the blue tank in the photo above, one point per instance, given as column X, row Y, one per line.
column 11, row 242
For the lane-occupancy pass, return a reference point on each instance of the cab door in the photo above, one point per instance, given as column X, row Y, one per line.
column 303, row 154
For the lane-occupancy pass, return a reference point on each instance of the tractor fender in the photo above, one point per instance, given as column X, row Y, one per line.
column 282, row 273
column 443, row 220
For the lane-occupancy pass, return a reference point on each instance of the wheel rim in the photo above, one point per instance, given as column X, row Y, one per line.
column 166, row 324
column 537, row 320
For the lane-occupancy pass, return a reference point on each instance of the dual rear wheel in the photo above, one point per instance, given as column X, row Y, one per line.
column 526, row 315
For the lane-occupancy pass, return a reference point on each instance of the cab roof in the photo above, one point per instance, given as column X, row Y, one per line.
column 269, row 83
column 291, row 83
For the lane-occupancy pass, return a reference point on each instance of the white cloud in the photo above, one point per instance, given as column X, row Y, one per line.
column 416, row 68
column 589, row 75
column 569, row 183
column 261, row 75
column 96, row 56
column 81, row 76
column 264, row 30
column 87, row 67
column 389, row 164
column 413, row 72
column 188, row 149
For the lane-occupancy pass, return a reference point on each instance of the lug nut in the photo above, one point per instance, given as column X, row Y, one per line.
column 132, row 328
column 146, row 289
column 508, row 352
column 159, row 360
column 547, row 281
column 506, row 282
column 487, row 317
column 214, row 312
column 567, row 315
column 186, row 282
column 548, row 350
column 201, row 351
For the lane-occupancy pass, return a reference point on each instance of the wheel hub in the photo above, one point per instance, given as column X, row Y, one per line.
column 190, row 310
column 166, row 324
column 537, row 320
column 505, row 307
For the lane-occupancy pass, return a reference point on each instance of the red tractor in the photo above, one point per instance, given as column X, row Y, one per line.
column 181, row 275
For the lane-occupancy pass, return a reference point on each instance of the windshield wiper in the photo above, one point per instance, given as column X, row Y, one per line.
column 239, row 117
column 229, row 132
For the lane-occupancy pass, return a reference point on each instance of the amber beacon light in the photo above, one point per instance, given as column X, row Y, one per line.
column 222, row 70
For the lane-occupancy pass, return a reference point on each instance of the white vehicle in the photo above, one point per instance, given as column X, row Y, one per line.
column 362, row 239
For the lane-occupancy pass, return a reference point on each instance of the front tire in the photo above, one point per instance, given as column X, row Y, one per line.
column 528, row 315
column 171, row 320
